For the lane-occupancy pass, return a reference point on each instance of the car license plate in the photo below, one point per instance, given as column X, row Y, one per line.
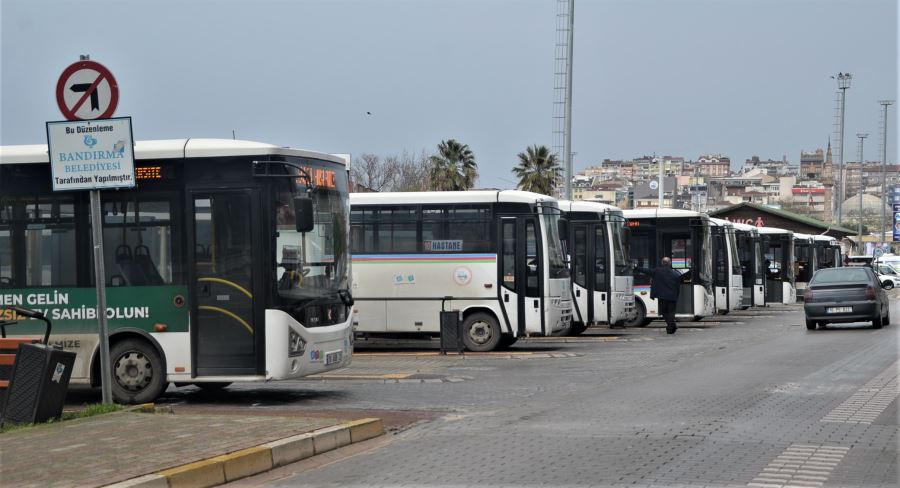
column 333, row 357
column 838, row 309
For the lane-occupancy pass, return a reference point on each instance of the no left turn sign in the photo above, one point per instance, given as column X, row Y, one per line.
column 86, row 90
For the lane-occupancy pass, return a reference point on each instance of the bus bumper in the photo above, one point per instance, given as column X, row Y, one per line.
column 294, row 351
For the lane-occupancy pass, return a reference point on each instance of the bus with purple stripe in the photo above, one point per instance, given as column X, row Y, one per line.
column 596, row 240
column 495, row 256
column 684, row 237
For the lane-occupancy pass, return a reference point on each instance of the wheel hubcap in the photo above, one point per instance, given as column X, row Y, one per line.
column 480, row 332
column 133, row 371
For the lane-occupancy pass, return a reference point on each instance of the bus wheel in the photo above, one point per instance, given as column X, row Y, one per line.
column 640, row 316
column 481, row 332
column 507, row 340
column 577, row 328
column 138, row 375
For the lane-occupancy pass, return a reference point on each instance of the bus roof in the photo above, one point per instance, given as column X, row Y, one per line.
column 744, row 227
column 772, row 230
column 807, row 237
column 175, row 149
column 821, row 238
column 652, row 213
column 472, row 196
column 721, row 222
column 585, row 206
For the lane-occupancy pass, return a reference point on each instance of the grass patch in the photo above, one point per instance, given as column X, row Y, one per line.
column 88, row 411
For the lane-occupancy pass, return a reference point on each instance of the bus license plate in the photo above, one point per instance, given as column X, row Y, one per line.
column 839, row 310
column 333, row 357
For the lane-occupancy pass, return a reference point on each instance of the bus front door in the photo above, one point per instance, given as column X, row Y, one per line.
column 520, row 277
column 225, row 328
column 590, row 272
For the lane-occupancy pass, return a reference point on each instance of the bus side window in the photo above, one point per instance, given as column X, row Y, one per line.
column 532, row 261
column 580, row 250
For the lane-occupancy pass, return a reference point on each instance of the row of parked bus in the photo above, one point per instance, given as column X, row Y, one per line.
column 243, row 261
column 516, row 263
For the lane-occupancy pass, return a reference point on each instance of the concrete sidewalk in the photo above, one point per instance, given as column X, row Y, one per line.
column 162, row 449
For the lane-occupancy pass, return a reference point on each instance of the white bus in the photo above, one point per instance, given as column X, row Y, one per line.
column 727, row 278
column 595, row 237
column 778, row 255
column 753, row 270
column 828, row 252
column 227, row 262
column 805, row 262
column 493, row 255
column 683, row 236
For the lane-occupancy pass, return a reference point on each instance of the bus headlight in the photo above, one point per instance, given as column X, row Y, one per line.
column 296, row 344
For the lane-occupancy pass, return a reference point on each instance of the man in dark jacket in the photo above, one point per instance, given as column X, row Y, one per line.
column 665, row 284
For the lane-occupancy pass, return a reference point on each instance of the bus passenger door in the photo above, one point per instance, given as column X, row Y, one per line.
column 520, row 277
column 600, row 281
column 225, row 324
column 581, row 272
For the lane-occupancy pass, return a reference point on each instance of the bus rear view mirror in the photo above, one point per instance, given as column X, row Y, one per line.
column 303, row 213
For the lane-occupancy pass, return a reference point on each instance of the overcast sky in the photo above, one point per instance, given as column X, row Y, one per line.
column 680, row 77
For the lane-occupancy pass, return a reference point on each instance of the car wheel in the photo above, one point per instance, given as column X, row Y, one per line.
column 481, row 332
column 137, row 369
column 810, row 324
column 877, row 322
column 887, row 318
column 888, row 285
column 640, row 316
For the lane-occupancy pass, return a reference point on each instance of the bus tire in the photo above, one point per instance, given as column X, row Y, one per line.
column 137, row 370
column 640, row 316
column 507, row 340
column 481, row 332
column 577, row 328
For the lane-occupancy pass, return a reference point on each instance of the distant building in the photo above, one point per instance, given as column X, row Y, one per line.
column 713, row 166
column 817, row 166
column 646, row 193
column 769, row 167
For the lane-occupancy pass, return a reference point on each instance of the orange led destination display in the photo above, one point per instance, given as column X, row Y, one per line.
column 148, row 173
column 321, row 178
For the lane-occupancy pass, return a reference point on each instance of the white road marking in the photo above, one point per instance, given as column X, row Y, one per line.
column 800, row 465
column 864, row 406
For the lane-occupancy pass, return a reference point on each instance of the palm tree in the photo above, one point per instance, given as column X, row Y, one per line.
column 538, row 169
column 453, row 168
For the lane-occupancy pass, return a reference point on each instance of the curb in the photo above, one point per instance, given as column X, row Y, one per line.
column 254, row 460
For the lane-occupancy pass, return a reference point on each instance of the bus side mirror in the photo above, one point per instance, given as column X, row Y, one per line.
column 303, row 214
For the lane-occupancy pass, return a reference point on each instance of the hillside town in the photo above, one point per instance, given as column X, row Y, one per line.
column 713, row 183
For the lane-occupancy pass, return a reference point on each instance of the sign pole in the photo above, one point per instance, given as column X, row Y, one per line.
column 100, row 280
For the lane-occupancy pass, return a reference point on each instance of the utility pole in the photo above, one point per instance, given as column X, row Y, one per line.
column 843, row 80
column 884, row 119
column 568, row 186
column 862, row 139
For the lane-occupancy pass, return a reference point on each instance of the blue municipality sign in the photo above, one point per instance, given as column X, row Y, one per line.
column 896, row 222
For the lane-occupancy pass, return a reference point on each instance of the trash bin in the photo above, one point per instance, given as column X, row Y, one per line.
column 39, row 379
column 451, row 332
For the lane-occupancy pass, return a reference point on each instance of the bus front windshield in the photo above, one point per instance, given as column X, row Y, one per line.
column 550, row 220
column 312, row 265
column 620, row 247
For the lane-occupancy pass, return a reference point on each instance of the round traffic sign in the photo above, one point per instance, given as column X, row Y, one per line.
column 86, row 90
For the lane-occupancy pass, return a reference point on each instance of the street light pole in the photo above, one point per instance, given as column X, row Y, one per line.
column 843, row 80
column 862, row 139
column 884, row 120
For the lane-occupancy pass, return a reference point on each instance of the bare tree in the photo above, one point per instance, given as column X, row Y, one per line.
column 412, row 172
column 369, row 173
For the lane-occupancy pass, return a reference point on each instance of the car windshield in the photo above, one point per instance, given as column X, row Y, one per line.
column 840, row 275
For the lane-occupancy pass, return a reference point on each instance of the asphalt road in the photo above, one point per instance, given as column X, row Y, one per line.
column 749, row 399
